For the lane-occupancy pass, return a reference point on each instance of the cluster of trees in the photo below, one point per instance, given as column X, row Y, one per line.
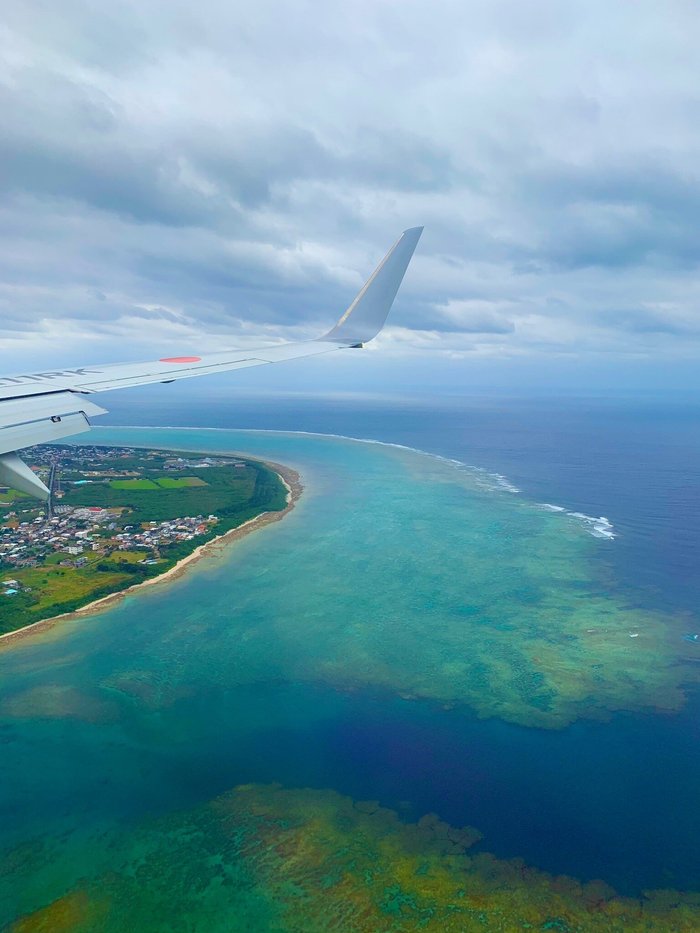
column 123, row 566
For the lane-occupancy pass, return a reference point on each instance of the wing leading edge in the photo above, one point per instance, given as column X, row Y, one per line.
column 39, row 407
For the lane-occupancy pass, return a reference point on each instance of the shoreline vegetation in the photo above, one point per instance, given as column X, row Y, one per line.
column 290, row 480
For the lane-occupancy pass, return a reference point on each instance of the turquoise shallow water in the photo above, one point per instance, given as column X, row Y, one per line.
column 411, row 632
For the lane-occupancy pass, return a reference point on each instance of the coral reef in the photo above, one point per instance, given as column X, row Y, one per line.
column 58, row 701
column 265, row 859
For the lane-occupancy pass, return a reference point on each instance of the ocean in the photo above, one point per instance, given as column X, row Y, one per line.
column 481, row 616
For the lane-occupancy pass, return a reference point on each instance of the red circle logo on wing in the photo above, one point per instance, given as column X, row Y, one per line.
column 180, row 359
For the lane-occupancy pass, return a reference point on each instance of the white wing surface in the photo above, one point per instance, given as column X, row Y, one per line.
column 45, row 406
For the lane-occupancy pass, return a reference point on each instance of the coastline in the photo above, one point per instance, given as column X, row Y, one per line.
column 291, row 481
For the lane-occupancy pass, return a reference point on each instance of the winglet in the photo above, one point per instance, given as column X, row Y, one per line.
column 367, row 314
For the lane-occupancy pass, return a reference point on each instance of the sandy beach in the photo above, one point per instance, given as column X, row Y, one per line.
column 292, row 482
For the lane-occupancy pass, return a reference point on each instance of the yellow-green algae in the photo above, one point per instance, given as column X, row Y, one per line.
column 70, row 914
column 265, row 859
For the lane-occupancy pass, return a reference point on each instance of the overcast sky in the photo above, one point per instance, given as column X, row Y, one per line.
column 185, row 176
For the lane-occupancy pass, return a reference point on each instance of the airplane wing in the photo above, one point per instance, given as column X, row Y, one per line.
column 37, row 408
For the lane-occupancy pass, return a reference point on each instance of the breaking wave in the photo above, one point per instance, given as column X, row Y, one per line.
column 600, row 527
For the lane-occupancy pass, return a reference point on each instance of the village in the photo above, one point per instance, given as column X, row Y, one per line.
column 117, row 517
column 77, row 531
column 71, row 536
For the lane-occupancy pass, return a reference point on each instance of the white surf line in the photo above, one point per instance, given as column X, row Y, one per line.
column 494, row 481
column 600, row 527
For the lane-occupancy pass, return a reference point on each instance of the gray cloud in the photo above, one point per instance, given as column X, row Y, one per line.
column 649, row 321
column 223, row 169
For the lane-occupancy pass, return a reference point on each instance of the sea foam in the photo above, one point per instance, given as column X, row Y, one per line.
column 600, row 527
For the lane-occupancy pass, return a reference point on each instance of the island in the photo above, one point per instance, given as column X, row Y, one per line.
column 120, row 517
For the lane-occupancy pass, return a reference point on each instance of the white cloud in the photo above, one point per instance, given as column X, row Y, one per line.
column 171, row 168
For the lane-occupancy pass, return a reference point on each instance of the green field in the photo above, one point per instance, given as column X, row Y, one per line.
column 233, row 495
column 158, row 482
column 133, row 484
column 169, row 482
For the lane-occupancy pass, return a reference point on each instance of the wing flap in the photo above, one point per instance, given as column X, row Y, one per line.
column 41, row 432
column 52, row 405
column 41, row 418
